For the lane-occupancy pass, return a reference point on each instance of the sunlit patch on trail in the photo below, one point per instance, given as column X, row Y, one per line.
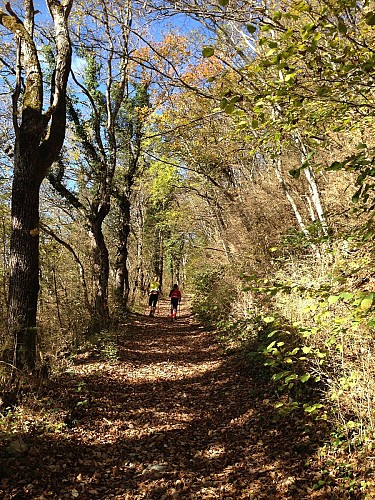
column 157, row 372
column 243, row 418
column 214, row 451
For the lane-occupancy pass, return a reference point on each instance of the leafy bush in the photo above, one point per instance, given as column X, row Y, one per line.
column 214, row 295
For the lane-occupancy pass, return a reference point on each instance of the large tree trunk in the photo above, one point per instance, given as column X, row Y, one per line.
column 38, row 140
column 24, row 264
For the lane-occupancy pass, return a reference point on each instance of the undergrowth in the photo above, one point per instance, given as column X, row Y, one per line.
column 309, row 330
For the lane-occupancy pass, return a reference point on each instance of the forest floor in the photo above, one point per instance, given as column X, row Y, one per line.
column 166, row 415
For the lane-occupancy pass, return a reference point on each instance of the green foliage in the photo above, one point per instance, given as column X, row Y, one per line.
column 106, row 347
column 25, row 420
column 164, row 178
column 251, row 28
column 49, row 59
column 289, row 356
column 164, row 217
column 362, row 163
column 304, row 357
column 318, row 65
column 92, row 79
column 130, row 125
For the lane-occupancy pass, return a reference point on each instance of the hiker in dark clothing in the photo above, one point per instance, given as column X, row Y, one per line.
column 175, row 296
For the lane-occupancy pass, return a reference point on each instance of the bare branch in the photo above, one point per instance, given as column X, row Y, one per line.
column 51, row 233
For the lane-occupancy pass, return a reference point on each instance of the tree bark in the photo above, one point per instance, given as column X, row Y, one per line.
column 122, row 285
column 24, row 267
column 314, row 193
column 139, row 284
column 38, row 140
column 289, row 197
column 100, row 313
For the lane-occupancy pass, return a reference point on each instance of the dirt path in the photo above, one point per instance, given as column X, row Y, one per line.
column 170, row 418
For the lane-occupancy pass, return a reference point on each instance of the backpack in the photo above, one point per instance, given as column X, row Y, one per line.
column 175, row 294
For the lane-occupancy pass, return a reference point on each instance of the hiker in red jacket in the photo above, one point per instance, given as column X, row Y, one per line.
column 175, row 296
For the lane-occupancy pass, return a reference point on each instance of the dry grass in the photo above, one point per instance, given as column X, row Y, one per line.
column 338, row 329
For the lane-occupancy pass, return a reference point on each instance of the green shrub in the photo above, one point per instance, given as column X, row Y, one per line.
column 213, row 295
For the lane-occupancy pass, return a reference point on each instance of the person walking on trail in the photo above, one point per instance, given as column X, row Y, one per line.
column 175, row 296
column 153, row 295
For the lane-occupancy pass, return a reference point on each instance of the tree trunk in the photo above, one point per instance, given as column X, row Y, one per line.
column 289, row 197
column 315, row 197
column 24, row 264
column 221, row 226
column 159, row 268
column 100, row 313
column 139, row 284
column 38, row 140
column 157, row 263
column 171, row 269
column 122, row 286
column 76, row 259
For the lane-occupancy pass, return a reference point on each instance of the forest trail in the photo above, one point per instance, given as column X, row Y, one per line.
column 171, row 417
